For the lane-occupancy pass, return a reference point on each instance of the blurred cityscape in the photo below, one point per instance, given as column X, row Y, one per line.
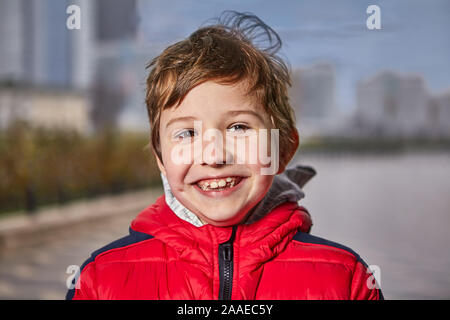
column 86, row 78
column 389, row 105
column 94, row 77
column 73, row 125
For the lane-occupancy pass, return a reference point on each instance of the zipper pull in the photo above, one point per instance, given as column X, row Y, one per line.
column 227, row 252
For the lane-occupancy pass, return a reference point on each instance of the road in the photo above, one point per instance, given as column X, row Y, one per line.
column 40, row 271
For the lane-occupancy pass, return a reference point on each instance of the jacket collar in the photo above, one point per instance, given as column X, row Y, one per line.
column 286, row 187
column 264, row 238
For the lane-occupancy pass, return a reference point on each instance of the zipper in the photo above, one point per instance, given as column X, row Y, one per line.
column 226, row 267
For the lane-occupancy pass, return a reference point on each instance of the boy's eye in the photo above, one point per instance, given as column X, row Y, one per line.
column 185, row 135
column 238, row 128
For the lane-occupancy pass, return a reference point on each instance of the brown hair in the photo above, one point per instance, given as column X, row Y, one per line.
column 225, row 52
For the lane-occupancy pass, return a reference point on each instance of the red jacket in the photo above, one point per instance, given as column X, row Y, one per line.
column 165, row 257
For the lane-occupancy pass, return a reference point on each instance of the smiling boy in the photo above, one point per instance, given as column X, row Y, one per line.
column 197, row 184
column 224, row 229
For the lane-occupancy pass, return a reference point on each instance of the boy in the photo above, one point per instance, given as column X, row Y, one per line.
column 227, row 228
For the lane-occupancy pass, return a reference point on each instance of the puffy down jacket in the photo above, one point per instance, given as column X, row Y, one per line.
column 274, row 257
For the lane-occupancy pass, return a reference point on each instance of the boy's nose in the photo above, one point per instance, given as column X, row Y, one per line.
column 215, row 151
column 216, row 155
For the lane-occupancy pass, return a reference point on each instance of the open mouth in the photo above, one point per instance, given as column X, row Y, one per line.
column 218, row 184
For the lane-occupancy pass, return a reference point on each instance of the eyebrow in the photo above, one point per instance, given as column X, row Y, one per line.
column 180, row 119
column 250, row 112
column 230, row 113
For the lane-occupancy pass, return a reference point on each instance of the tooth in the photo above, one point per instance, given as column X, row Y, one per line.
column 222, row 183
column 214, row 185
column 228, row 179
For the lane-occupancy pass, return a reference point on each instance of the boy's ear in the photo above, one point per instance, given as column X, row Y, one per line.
column 160, row 164
column 291, row 152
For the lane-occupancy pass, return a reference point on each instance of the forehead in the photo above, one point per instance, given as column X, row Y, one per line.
column 211, row 99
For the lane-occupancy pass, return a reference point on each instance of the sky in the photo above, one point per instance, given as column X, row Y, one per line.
column 414, row 37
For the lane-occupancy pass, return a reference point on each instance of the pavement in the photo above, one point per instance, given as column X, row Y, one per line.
column 36, row 251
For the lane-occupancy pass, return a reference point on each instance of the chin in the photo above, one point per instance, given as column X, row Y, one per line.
column 222, row 219
column 219, row 218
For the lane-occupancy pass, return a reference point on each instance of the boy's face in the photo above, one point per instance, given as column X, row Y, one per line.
column 208, row 147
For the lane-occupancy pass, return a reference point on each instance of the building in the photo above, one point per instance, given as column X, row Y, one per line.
column 49, row 108
column 313, row 91
column 119, row 83
column 393, row 105
column 439, row 114
column 313, row 98
column 396, row 105
column 38, row 49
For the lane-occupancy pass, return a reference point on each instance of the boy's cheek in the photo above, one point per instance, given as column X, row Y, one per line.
column 178, row 154
column 175, row 170
column 260, row 151
column 253, row 149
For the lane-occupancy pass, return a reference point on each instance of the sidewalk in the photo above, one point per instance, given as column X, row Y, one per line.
column 26, row 230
